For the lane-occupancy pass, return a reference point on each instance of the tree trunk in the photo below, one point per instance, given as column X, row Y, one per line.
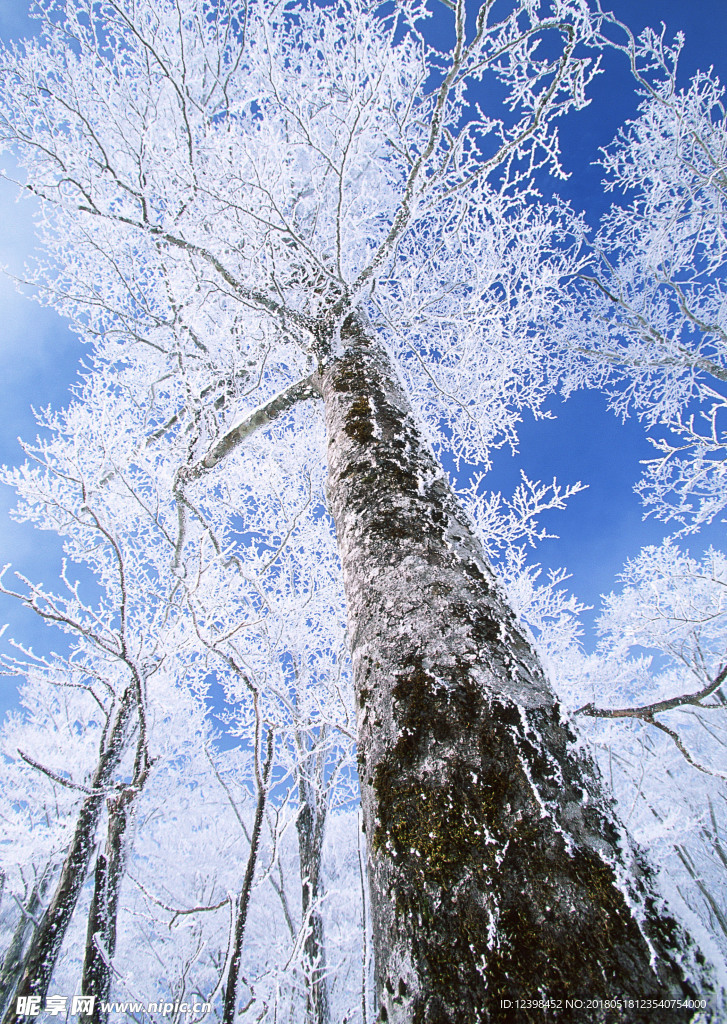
column 12, row 964
column 47, row 939
column 103, row 912
column 243, row 902
column 497, row 870
column 310, row 825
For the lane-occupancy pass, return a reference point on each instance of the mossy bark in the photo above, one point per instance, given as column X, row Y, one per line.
column 497, row 869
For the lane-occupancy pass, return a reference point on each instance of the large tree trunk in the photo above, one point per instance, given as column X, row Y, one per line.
column 47, row 939
column 496, row 868
column 310, row 826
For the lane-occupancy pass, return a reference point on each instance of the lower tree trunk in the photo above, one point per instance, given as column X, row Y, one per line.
column 497, row 870
column 310, row 826
column 103, row 912
column 243, row 901
column 12, row 964
column 45, row 945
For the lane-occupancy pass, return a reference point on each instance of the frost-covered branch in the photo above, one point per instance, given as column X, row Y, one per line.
column 650, row 326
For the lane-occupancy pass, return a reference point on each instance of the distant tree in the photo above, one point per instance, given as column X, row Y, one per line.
column 276, row 652
column 657, row 716
column 119, row 641
column 57, row 724
column 650, row 326
column 255, row 207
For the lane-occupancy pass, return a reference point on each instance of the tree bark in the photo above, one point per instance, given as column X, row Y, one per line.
column 243, row 902
column 497, row 869
column 310, row 826
column 103, row 912
column 12, row 964
column 42, row 953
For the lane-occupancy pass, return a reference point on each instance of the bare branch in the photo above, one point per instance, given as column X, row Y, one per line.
column 647, row 711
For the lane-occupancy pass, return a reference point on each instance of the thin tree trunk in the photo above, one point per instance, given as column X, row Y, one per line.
column 12, row 964
column 42, row 953
column 495, row 863
column 108, row 875
column 243, row 902
column 103, row 912
column 310, row 825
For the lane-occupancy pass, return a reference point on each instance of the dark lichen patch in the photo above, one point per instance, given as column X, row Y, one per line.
column 432, row 828
column 429, row 819
column 359, row 423
column 484, row 628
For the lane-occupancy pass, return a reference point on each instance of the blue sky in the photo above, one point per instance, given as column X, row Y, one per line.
column 602, row 526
